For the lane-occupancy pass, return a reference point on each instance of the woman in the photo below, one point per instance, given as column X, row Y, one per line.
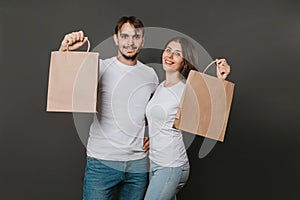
column 169, row 165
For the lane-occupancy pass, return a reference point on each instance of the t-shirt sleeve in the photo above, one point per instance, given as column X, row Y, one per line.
column 155, row 80
column 100, row 69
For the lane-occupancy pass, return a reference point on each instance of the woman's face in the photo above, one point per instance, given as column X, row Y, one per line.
column 172, row 57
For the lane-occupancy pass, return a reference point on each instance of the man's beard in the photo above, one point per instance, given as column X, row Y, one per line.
column 133, row 57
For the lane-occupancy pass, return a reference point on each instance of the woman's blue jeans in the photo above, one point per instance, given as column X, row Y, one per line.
column 165, row 182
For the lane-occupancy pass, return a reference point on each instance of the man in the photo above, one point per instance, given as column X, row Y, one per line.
column 116, row 157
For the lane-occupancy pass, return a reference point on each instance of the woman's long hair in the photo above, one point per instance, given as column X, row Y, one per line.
column 189, row 55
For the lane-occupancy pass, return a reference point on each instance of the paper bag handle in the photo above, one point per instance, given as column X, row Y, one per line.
column 89, row 45
column 210, row 64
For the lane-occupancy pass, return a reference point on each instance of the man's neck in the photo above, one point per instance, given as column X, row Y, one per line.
column 125, row 61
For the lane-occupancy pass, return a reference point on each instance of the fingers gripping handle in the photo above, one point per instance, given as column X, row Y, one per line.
column 88, row 42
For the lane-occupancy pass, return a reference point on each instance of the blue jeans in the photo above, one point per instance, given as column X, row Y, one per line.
column 102, row 177
column 165, row 182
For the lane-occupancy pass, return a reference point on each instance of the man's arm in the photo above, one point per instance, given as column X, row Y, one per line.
column 146, row 146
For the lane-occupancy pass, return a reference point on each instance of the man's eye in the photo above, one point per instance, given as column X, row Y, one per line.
column 136, row 37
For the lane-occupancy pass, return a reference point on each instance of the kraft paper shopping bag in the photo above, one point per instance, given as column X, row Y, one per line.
column 205, row 106
column 73, row 80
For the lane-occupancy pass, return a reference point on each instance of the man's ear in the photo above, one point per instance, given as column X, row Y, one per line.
column 143, row 42
column 116, row 39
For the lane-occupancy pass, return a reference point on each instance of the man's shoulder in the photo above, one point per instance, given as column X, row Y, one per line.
column 107, row 60
column 147, row 68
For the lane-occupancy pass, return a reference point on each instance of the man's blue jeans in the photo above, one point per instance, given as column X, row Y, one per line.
column 103, row 177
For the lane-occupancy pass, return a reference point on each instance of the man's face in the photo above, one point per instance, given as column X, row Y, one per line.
column 129, row 41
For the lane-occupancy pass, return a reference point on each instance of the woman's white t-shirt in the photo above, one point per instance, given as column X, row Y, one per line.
column 166, row 143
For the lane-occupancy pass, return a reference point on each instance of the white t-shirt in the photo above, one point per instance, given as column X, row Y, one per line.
column 166, row 143
column 117, row 131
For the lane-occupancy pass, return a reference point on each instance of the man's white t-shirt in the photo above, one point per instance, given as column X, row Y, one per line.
column 166, row 143
column 117, row 131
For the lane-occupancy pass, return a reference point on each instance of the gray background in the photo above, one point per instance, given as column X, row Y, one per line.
column 41, row 154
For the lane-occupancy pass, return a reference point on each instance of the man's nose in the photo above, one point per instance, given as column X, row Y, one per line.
column 130, row 41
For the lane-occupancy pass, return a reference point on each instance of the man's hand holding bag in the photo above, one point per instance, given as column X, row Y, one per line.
column 73, row 77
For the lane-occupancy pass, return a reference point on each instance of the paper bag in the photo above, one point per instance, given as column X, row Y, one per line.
column 205, row 106
column 73, row 80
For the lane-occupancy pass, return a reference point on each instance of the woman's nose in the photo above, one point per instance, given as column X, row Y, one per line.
column 170, row 54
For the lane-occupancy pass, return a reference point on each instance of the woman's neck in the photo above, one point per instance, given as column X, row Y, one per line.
column 172, row 78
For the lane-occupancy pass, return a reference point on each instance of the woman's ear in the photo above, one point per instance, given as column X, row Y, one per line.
column 183, row 68
column 184, row 64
